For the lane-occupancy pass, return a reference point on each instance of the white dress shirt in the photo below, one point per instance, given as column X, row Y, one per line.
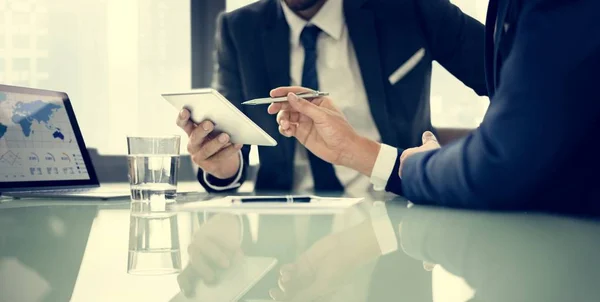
column 339, row 74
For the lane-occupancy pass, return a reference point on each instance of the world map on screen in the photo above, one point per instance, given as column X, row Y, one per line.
column 24, row 114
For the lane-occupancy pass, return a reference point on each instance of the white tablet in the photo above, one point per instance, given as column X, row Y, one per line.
column 209, row 104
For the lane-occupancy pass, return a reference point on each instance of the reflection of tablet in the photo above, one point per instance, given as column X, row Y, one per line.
column 243, row 274
column 209, row 104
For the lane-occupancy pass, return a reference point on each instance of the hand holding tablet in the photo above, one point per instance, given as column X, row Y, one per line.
column 213, row 152
column 217, row 130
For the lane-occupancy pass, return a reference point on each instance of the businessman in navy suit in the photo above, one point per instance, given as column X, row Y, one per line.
column 533, row 149
column 376, row 56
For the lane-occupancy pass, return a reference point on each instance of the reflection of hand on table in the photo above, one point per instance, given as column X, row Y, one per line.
column 428, row 266
column 212, row 250
column 327, row 265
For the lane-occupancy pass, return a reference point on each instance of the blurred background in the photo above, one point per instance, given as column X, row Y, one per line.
column 115, row 58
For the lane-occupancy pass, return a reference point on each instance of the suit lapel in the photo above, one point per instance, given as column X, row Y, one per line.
column 363, row 33
column 276, row 49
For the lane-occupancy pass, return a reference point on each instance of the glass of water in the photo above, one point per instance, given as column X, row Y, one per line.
column 153, row 166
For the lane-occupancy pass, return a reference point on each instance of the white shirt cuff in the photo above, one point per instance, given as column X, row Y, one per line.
column 234, row 184
column 382, row 226
column 386, row 159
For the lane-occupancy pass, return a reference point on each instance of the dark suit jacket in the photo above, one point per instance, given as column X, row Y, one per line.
column 534, row 147
column 253, row 57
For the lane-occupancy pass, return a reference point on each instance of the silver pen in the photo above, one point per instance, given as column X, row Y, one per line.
column 305, row 95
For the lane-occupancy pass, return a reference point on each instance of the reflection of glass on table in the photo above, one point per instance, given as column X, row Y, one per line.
column 153, row 244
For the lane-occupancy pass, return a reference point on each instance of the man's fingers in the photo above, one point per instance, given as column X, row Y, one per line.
column 204, row 270
column 222, row 155
column 428, row 266
column 289, row 132
column 294, row 117
column 286, row 274
column 274, row 108
column 277, row 294
column 283, row 91
column 211, row 147
column 198, row 135
column 228, row 246
column 282, row 115
column 322, row 101
column 307, row 108
column 406, row 153
column 286, row 118
column 184, row 122
column 213, row 164
column 290, row 284
column 187, row 281
column 428, row 137
column 212, row 252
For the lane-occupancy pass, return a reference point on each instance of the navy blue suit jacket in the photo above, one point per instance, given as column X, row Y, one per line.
column 253, row 57
column 535, row 147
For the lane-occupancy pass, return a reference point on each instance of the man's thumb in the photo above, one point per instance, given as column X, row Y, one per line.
column 305, row 107
column 428, row 137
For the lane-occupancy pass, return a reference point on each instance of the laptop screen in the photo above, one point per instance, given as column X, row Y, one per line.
column 40, row 142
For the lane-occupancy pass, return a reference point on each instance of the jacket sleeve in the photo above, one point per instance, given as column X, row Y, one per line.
column 545, row 106
column 456, row 41
column 226, row 80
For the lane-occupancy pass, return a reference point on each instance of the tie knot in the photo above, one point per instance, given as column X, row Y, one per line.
column 309, row 36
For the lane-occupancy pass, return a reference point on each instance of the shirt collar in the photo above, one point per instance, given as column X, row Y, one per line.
column 330, row 19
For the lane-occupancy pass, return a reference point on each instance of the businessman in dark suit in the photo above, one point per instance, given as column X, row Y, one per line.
column 376, row 56
column 532, row 150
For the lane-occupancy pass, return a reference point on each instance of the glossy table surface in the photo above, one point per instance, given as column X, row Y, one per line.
column 382, row 249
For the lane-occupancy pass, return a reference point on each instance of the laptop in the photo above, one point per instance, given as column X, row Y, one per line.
column 42, row 151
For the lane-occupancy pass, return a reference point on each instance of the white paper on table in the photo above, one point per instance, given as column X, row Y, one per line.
column 317, row 205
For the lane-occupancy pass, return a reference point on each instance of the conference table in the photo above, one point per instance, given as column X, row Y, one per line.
column 381, row 248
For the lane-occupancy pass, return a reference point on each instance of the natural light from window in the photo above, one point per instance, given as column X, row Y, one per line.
column 114, row 58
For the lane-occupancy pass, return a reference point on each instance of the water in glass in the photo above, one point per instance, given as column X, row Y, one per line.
column 153, row 178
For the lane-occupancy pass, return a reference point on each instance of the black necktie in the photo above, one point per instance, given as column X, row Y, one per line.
column 323, row 172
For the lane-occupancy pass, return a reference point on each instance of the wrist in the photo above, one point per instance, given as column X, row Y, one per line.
column 361, row 155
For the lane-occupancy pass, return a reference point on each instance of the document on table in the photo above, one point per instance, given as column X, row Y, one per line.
column 316, row 205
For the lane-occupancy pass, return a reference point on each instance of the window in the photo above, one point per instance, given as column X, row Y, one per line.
column 453, row 104
column 114, row 58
